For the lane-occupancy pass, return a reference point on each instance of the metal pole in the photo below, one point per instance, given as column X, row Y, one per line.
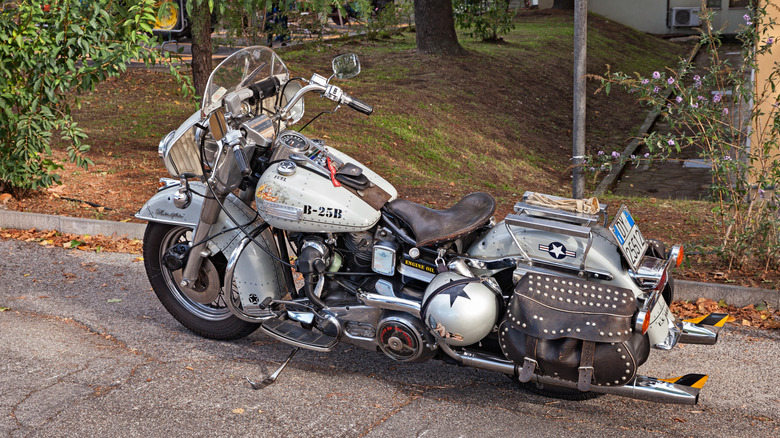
column 580, row 57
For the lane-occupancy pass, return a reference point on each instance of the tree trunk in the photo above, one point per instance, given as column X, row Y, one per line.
column 200, row 19
column 435, row 28
column 563, row 4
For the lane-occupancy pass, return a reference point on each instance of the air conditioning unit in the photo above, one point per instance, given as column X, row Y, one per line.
column 685, row 17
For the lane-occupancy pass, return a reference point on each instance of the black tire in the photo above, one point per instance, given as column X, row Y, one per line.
column 557, row 392
column 213, row 320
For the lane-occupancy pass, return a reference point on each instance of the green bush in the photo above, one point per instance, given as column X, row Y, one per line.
column 484, row 19
column 48, row 55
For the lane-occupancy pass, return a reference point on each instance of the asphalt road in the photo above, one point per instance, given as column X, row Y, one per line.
column 77, row 361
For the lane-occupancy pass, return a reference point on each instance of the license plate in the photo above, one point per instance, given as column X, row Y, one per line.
column 628, row 237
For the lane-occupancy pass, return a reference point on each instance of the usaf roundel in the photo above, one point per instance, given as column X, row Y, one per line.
column 557, row 251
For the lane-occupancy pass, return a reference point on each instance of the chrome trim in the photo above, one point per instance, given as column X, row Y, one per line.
column 698, row 334
column 417, row 274
column 649, row 273
column 390, row 303
column 165, row 143
column 280, row 211
column 672, row 336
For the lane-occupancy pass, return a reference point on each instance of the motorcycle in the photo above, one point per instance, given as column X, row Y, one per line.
column 264, row 228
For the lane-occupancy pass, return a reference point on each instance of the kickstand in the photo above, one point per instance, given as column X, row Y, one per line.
column 272, row 378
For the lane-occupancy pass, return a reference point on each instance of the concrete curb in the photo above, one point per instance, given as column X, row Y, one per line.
column 73, row 225
column 684, row 290
column 739, row 296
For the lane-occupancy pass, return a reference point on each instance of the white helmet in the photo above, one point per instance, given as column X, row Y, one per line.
column 463, row 310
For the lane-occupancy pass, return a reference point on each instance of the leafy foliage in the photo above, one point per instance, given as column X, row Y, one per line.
column 484, row 19
column 735, row 126
column 49, row 54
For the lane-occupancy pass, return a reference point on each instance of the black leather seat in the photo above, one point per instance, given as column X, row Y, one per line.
column 431, row 227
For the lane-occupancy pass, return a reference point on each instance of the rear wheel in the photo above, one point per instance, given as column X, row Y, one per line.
column 209, row 317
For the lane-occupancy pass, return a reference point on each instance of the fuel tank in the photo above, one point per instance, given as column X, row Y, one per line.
column 296, row 193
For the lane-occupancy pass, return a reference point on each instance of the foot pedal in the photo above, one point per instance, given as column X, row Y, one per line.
column 298, row 336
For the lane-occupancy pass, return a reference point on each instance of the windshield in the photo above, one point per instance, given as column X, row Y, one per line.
column 242, row 69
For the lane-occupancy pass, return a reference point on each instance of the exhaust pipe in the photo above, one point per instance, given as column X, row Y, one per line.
column 641, row 388
column 697, row 334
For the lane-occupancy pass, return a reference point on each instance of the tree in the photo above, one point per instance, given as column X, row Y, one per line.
column 48, row 56
column 435, row 28
column 200, row 19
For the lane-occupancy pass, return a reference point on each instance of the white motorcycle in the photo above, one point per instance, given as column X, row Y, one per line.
column 266, row 228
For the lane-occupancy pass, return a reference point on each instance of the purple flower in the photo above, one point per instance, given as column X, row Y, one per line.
column 656, row 89
column 761, row 193
column 592, row 169
column 678, row 99
column 770, row 41
column 725, row 111
column 695, row 105
column 645, row 81
column 601, row 152
column 700, row 98
column 633, row 157
column 656, row 75
column 647, row 154
column 670, row 81
column 671, row 142
column 615, row 154
column 716, row 97
column 697, row 78
column 727, row 158
column 746, row 17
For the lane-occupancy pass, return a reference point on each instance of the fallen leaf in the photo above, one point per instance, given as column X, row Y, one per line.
column 189, row 368
column 114, row 300
column 3, row 309
column 746, row 322
column 5, row 197
column 238, row 411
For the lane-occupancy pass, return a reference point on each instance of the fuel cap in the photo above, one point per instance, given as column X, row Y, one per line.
column 286, row 168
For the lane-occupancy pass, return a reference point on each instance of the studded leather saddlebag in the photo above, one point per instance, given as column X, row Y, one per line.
column 573, row 330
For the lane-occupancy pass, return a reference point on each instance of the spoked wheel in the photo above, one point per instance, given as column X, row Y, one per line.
column 201, row 308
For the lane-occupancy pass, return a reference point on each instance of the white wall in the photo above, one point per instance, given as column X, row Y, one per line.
column 650, row 15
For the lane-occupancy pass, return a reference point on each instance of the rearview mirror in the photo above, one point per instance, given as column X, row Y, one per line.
column 346, row 66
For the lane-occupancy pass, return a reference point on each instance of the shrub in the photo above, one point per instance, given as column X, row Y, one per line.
column 484, row 19
column 48, row 55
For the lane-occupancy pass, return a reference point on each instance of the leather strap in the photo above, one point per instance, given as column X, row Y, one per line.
column 586, row 365
column 529, row 362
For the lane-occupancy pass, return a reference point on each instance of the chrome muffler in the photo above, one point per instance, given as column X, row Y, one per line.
column 698, row 334
column 641, row 387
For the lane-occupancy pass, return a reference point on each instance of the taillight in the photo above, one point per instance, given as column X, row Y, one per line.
column 680, row 256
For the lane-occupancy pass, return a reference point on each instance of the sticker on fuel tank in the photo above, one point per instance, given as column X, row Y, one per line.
column 329, row 212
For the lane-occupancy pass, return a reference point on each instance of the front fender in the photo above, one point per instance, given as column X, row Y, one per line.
column 224, row 234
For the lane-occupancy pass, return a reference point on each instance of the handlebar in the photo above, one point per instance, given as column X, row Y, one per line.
column 357, row 105
column 333, row 93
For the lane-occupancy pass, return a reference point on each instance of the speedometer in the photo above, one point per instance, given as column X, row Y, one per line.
column 294, row 141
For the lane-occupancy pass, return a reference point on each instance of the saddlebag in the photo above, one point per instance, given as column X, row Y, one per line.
column 574, row 330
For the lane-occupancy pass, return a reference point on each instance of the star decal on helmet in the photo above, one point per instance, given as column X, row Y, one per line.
column 454, row 293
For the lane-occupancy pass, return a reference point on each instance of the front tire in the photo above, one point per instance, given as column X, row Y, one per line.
column 213, row 320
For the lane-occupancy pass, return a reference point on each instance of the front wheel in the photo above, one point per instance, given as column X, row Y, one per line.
column 211, row 320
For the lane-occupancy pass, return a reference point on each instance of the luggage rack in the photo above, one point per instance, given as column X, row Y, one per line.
column 556, row 221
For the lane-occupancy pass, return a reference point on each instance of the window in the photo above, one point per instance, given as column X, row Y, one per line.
column 714, row 4
column 738, row 3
